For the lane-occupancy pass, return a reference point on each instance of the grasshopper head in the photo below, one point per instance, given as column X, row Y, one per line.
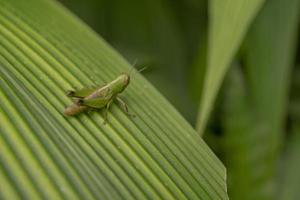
column 120, row 83
column 125, row 79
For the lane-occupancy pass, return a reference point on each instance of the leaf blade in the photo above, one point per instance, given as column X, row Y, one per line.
column 229, row 21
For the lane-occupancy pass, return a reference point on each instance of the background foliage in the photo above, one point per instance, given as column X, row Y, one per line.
column 230, row 67
column 254, row 120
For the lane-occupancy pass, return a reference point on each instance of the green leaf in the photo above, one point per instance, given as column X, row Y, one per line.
column 255, row 119
column 229, row 21
column 290, row 178
column 238, row 121
column 269, row 56
column 46, row 51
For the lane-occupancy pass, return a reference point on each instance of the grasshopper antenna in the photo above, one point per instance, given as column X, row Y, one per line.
column 142, row 69
column 133, row 65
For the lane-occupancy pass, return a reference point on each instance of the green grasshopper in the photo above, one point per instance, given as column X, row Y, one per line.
column 98, row 97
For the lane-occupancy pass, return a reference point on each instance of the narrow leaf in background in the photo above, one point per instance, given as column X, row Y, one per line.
column 290, row 178
column 237, row 122
column 229, row 22
column 46, row 51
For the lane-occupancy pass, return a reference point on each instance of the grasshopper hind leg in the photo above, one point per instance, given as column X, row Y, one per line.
column 95, row 104
column 124, row 106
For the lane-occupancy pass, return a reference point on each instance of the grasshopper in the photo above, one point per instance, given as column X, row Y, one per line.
column 98, row 97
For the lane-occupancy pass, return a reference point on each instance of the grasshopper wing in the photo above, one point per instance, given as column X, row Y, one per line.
column 95, row 102
column 82, row 93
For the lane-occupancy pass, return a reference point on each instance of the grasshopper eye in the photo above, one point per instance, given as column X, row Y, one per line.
column 127, row 79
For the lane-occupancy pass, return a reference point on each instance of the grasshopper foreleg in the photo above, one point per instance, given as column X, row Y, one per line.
column 106, row 111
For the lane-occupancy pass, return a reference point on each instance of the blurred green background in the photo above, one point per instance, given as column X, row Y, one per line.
column 254, row 127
